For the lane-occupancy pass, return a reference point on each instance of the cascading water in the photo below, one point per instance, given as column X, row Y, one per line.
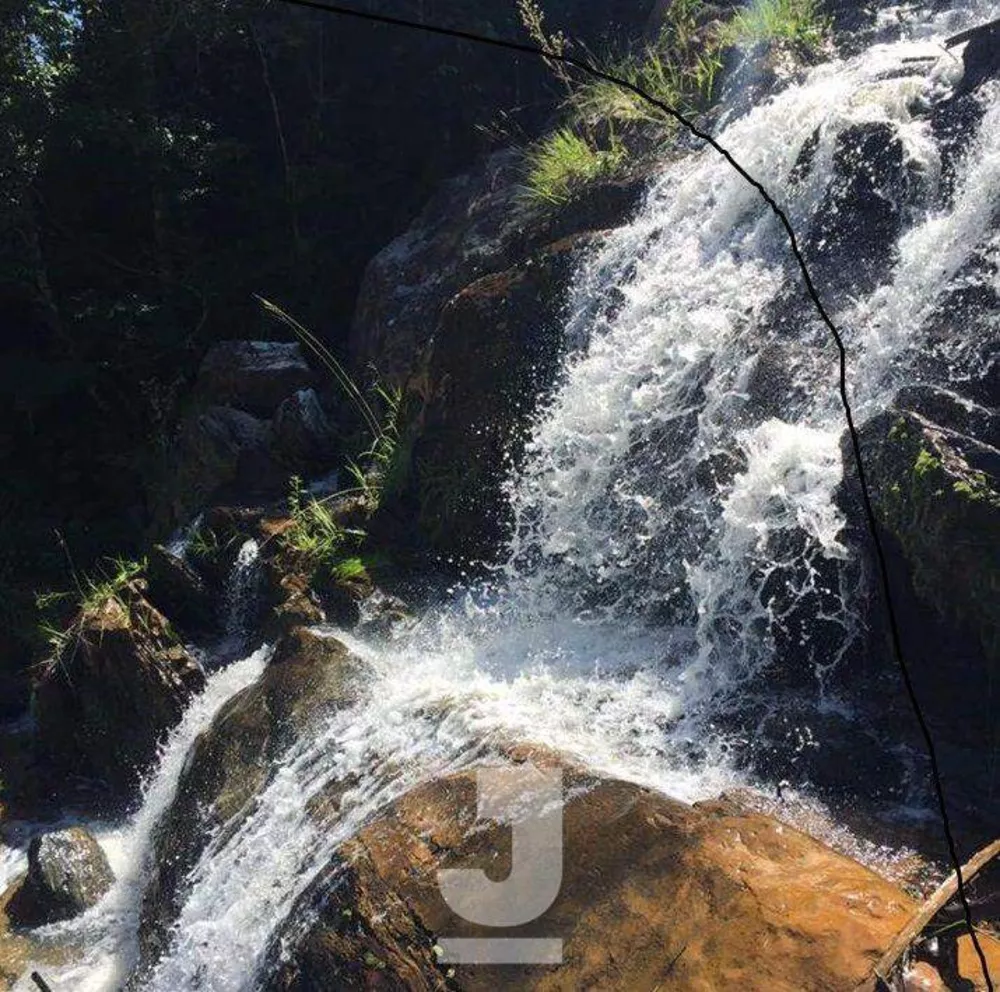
column 675, row 519
column 241, row 597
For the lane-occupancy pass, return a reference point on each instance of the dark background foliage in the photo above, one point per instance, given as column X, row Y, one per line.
column 163, row 160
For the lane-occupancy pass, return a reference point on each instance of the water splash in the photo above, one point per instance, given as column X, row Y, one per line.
column 107, row 933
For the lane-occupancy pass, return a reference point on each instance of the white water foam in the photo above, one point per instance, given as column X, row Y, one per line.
column 107, row 933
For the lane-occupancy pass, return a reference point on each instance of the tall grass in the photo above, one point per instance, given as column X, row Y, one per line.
column 562, row 162
column 799, row 23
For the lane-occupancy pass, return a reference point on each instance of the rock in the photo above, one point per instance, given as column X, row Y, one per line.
column 221, row 453
column 18, row 948
column 653, row 893
column 850, row 241
column 301, row 433
column 121, row 681
column 253, row 375
column 935, row 495
column 496, row 350
column 981, row 59
column 181, row 593
column 923, row 977
column 937, row 491
column 231, row 762
column 477, row 225
column 67, row 874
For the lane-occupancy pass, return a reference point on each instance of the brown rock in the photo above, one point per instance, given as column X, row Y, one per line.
column 654, row 894
column 923, row 977
column 121, row 681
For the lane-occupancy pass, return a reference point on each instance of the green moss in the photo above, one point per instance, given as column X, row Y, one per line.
column 925, row 463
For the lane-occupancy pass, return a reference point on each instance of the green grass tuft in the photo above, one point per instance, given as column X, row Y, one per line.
column 564, row 161
column 799, row 23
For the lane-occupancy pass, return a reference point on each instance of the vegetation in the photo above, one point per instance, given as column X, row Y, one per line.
column 558, row 164
column 680, row 71
column 798, row 23
column 112, row 583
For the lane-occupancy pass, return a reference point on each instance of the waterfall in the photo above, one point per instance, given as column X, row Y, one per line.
column 241, row 597
column 108, row 932
column 675, row 515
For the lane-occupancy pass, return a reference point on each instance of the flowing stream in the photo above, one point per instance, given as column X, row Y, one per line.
column 675, row 520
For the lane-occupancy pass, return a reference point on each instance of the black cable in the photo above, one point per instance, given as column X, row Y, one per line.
column 883, row 566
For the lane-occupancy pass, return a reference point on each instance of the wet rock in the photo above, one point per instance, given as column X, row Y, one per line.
column 181, row 593
column 651, row 892
column 121, row 681
column 495, row 351
column 851, row 240
column 301, row 432
column 67, row 874
column 18, row 948
column 477, row 225
column 232, row 761
column 937, row 491
column 981, row 59
column 936, row 497
column 253, row 375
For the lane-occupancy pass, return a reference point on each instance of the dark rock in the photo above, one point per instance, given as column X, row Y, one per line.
column 181, row 593
column 232, row 761
column 981, row 59
column 222, row 452
column 851, row 240
column 67, row 874
column 937, row 492
column 477, row 225
column 253, row 375
column 495, row 351
column 301, row 433
column 652, row 892
column 936, row 496
column 121, row 681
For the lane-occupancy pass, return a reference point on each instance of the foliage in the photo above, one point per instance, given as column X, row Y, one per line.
column 323, row 546
column 798, row 23
column 111, row 583
column 560, row 163
column 679, row 71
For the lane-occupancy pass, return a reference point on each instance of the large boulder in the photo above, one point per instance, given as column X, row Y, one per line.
column 477, row 225
column 301, row 432
column 121, row 680
column 230, row 763
column 253, row 375
column 653, row 893
column 67, row 874
column 935, row 488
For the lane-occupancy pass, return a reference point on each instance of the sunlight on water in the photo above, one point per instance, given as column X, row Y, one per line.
column 675, row 510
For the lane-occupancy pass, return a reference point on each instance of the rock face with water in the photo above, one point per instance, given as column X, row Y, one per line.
column 310, row 675
column 464, row 313
column 652, row 892
column 181, row 593
column 121, row 680
column 67, row 874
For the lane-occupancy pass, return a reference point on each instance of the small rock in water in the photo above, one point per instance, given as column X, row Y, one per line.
column 67, row 874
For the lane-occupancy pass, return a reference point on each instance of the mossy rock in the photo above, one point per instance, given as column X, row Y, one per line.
column 934, row 491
